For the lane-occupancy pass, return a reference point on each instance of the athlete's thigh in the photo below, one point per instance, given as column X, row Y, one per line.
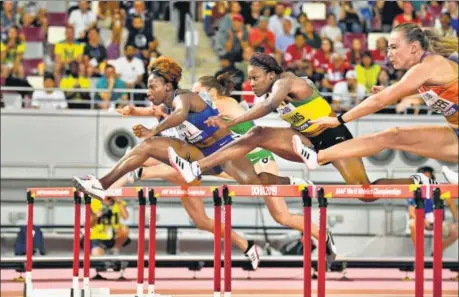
column 159, row 149
column 352, row 170
column 436, row 142
column 241, row 170
column 279, row 142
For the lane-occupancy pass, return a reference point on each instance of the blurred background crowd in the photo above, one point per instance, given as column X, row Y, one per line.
column 108, row 45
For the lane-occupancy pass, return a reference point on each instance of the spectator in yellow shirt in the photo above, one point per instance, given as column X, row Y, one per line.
column 367, row 72
column 67, row 51
column 76, row 79
column 12, row 51
column 107, row 230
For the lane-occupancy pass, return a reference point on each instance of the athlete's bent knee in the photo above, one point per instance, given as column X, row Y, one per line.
column 391, row 137
column 255, row 133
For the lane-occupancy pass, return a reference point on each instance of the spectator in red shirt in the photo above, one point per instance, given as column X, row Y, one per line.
column 355, row 54
column 380, row 53
column 334, row 73
column 322, row 57
column 297, row 53
column 408, row 15
column 261, row 38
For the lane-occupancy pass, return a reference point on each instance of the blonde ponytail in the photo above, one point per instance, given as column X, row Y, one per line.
column 443, row 46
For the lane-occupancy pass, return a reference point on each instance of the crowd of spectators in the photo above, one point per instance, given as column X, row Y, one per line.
column 101, row 44
column 109, row 44
column 333, row 51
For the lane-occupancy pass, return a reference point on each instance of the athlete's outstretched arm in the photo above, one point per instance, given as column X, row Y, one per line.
column 181, row 109
column 280, row 90
column 408, row 85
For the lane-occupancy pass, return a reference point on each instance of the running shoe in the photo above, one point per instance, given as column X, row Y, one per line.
column 300, row 181
column 308, row 155
column 135, row 175
column 89, row 185
column 451, row 176
column 330, row 249
column 422, row 179
column 252, row 254
column 189, row 171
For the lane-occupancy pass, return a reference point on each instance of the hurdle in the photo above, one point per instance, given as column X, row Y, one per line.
column 224, row 195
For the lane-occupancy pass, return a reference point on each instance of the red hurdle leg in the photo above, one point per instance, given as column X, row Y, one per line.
column 437, row 247
column 419, row 249
column 217, row 242
column 227, row 241
column 321, row 263
column 306, row 242
column 29, row 245
column 141, row 243
column 86, row 244
column 152, row 244
column 76, row 242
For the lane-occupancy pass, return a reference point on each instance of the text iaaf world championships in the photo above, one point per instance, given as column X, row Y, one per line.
column 363, row 191
column 180, row 192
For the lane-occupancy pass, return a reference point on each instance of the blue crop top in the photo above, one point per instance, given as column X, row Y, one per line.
column 193, row 129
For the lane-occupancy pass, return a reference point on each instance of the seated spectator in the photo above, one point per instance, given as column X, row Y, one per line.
column 348, row 93
column 227, row 21
column 312, row 38
column 408, row 15
column 251, row 18
column 108, row 233
column 355, row 54
column 10, row 81
column 141, row 39
column 335, row 71
column 138, row 10
column 380, row 53
column 66, row 52
column 82, row 19
column 425, row 16
column 276, row 21
column 301, row 20
column 238, row 76
column 12, row 51
column 114, row 49
column 94, row 54
column 331, row 30
column 446, row 30
column 49, row 99
column 297, row 53
column 219, row 11
column 233, row 41
column 376, row 23
column 349, row 20
column 110, row 14
column 390, row 10
column 261, row 38
column 244, row 64
column 33, row 14
column 286, row 38
column 110, row 82
column 131, row 71
column 76, row 79
column 434, row 8
column 367, row 72
column 322, row 57
column 452, row 8
column 449, row 229
column 383, row 78
column 7, row 18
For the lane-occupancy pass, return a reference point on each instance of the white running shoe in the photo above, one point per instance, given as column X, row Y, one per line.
column 300, row 181
column 89, row 185
column 252, row 254
column 451, row 176
column 309, row 156
column 134, row 175
column 330, row 249
column 189, row 171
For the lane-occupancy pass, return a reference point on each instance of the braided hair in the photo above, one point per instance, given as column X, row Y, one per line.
column 265, row 62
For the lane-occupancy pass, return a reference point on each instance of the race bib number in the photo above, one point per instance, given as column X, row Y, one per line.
column 190, row 132
column 438, row 104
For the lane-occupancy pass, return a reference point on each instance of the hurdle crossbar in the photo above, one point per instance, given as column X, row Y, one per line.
column 322, row 192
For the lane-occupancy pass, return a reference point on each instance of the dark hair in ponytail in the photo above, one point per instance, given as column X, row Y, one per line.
column 223, row 83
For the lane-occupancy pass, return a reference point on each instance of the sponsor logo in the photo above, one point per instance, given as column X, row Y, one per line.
column 264, row 191
column 391, row 192
column 54, row 193
column 181, row 192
